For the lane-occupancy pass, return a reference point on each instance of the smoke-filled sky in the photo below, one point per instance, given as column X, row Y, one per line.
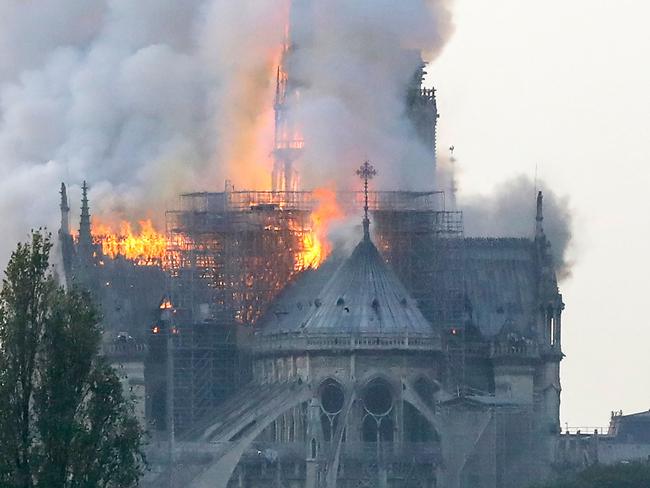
column 564, row 86
column 145, row 99
column 148, row 98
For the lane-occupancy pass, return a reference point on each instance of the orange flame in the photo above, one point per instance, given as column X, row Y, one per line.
column 316, row 244
column 249, row 108
column 146, row 248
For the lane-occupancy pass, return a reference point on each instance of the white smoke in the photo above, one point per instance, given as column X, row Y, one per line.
column 510, row 211
column 148, row 98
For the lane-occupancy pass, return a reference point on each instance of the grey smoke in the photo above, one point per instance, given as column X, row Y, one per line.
column 145, row 99
column 356, row 63
column 510, row 211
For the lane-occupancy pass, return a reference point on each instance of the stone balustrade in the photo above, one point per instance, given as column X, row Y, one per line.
column 312, row 342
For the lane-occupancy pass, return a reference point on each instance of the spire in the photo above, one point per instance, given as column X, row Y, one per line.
column 65, row 211
column 277, row 87
column 366, row 172
column 539, row 219
column 85, row 237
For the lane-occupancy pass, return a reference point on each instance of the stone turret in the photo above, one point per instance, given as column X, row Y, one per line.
column 85, row 236
column 549, row 297
column 550, row 306
column 514, row 359
column 65, row 239
column 65, row 211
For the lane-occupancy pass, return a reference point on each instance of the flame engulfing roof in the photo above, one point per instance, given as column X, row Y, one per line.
column 362, row 297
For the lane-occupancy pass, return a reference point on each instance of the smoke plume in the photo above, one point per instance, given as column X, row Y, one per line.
column 355, row 64
column 145, row 99
column 510, row 211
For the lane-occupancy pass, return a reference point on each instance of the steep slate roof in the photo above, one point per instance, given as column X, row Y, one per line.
column 363, row 296
column 501, row 284
column 297, row 300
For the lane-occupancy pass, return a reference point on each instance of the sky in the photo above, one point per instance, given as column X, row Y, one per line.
column 562, row 89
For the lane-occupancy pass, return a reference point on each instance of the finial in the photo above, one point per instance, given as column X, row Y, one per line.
column 366, row 172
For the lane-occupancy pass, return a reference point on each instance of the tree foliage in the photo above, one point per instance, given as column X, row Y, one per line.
column 622, row 475
column 64, row 420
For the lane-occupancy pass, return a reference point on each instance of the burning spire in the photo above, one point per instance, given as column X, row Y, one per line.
column 288, row 144
column 316, row 244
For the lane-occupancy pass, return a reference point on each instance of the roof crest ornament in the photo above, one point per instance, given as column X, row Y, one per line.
column 366, row 172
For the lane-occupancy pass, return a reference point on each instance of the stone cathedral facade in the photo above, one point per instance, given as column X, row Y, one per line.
column 352, row 385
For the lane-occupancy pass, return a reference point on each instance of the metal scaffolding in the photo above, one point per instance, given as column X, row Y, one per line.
column 426, row 250
column 229, row 254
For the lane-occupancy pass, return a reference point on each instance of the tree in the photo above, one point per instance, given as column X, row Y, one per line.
column 64, row 420
column 623, row 475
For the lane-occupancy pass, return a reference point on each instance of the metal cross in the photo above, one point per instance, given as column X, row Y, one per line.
column 366, row 172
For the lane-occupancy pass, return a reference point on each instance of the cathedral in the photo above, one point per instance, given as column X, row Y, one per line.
column 416, row 357
column 358, row 378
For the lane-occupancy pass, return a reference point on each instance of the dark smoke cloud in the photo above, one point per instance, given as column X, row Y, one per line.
column 510, row 211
